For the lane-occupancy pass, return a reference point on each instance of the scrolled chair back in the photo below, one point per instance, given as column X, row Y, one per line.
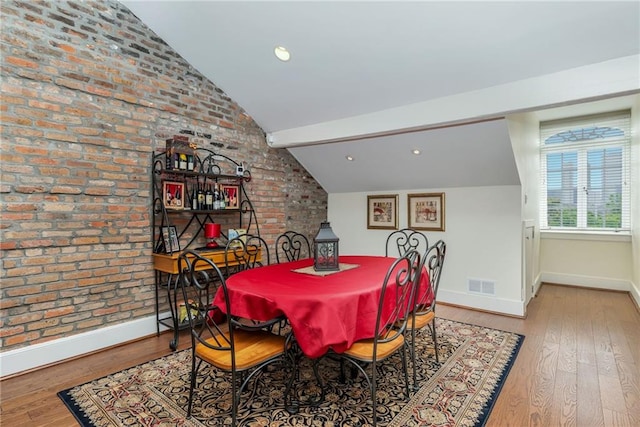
column 435, row 263
column 200, row 279
column 398, row 296
column 292, row 246
column 402, row 241
column 245, row 252
column 433, row 260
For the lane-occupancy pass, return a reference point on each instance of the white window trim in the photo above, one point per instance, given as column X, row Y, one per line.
column 581, row 149
column 599, row 236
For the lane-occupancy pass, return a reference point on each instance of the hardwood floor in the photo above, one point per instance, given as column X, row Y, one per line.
column 579, row 365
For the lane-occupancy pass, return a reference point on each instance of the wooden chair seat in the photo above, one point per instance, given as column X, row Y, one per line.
column 252, row 348
column 421, row 320
column 363, row 349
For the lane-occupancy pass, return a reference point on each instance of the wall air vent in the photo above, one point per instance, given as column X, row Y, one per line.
column 480, row 286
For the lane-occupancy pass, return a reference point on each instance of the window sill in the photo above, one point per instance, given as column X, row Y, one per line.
column 601, row 236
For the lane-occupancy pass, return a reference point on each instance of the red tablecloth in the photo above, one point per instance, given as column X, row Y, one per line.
column 331, row 311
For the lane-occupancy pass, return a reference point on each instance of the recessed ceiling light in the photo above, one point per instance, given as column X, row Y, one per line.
column 350, row 158
column 282, row 53
column 415, row 151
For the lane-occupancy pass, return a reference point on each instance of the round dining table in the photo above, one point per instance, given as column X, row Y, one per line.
column 326, row 310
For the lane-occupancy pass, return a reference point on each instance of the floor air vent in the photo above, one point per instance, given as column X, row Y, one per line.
column 478, row 286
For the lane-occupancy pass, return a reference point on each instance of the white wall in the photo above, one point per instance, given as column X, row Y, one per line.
column 523, row 131
column 483, row 235
column 596, row 262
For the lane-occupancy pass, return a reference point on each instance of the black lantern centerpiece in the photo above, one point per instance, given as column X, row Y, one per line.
column 326, row 249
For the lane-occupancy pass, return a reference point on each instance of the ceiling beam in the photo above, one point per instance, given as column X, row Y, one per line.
column 611, row 78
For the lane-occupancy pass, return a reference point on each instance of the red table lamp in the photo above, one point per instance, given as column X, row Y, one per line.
column 212, row 232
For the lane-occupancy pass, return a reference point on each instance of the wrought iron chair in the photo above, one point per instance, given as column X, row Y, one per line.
column 292, row 246
column 217, row 339
column 402, row 241
column 245, row 252
column 424, row 313
column 391, row 323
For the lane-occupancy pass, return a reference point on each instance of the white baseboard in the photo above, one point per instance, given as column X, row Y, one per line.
column 635, row 294
column 586, row 281
column 34, row 356
column 482, row 302
column 536, row 284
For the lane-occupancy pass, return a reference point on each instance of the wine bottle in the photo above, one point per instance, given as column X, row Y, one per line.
column 223, row 203
column 194, row 198
column 201, row 200
column 176, row 161
column 178, row 197
column 226, row 198
column 216, row 197
column 208, row 196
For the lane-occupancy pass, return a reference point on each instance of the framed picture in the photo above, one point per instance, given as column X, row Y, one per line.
column 231, row 194
column 382, row 212
column 426, row 211
column 173, row 195
column 170, row 239
column 239, row 233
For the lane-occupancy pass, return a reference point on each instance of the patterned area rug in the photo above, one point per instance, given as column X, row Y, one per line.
column 460, row 391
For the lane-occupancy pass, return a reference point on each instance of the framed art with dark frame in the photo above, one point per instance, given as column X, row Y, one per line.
column 231, row 194
column 173, row 195
column 382, row 212
column 170, row 239
column 426, row 211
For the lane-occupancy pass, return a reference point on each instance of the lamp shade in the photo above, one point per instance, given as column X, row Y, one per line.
column 211, row 230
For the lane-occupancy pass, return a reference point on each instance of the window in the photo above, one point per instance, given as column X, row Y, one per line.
column 585, row 173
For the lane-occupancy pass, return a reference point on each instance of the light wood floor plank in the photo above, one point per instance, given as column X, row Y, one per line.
column 567, row 357
column 589, row 410
column 514, row 397
column 611, row 393
column 563, row 412
column 629, row 375
column 616, row 419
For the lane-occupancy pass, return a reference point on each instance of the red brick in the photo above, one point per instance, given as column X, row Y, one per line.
column 58, row 312
column 7, row 332
column 20, row 62
column 20, row 339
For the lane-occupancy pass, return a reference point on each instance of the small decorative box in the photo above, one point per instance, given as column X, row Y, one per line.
column 180, row 153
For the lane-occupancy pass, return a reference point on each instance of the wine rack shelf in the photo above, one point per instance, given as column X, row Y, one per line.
column 191, row 188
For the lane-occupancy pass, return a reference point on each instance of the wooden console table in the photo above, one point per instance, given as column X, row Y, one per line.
column 168, row 263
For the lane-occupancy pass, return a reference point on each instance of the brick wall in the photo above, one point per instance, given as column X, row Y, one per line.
column 88, row 94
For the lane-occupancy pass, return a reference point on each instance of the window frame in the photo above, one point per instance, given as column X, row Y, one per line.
column 582, row 148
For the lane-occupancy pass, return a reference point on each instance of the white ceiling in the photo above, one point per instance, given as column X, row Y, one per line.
column 363, row 73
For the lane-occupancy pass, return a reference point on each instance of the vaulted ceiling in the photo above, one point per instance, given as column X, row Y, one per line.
column 375, row 80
